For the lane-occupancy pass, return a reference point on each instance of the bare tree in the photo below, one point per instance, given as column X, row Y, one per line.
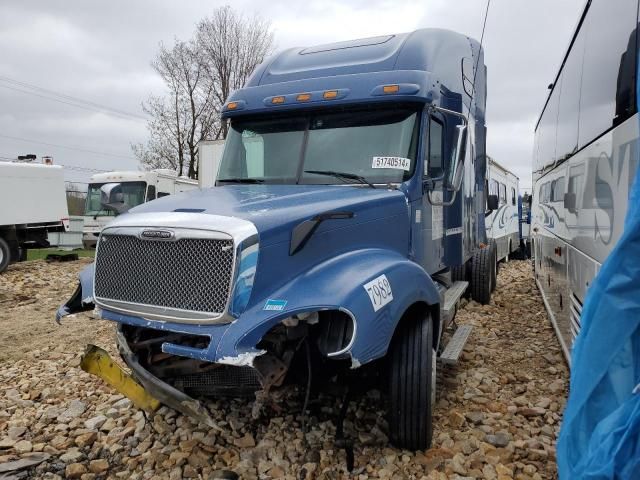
column 233, row 46
column 199, row 75
column 182, row 118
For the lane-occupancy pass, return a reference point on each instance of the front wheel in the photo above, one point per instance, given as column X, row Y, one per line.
column 412, row 384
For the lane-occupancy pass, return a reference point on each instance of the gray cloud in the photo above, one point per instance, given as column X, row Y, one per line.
column 101, row 52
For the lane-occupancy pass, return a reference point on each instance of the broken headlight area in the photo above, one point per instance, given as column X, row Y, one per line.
column 316, row 341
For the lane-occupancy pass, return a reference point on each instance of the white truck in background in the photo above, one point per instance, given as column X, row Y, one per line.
column 33, row 203
column 140, row 187
column 136, row 187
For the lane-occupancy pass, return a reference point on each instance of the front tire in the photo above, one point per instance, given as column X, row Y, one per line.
column 5, row 255
column 412, row 378
column 483, row 272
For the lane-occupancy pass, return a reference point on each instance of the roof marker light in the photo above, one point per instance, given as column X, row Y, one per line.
column 330, row 94
column 232, row 105
column 390, row 88
column 303, row 97
column 279, row 99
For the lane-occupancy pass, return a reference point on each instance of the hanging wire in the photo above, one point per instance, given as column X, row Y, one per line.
column 484, row 24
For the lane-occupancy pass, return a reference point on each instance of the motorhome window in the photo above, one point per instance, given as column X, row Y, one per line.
column 571, row 78
column 608, row 74
column 503, row 194
column 279, row 150
column 557, row 190
column 434, row 166
column 151, row 193
column 493, row 188
column 544, row 192
column 133, row 192
column 513, row 196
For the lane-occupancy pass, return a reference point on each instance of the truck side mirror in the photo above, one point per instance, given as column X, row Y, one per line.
column 112, row 198
column 570, row 202
column 492, row 202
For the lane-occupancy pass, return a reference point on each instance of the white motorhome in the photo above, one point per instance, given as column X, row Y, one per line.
column 32, row 203
column 502, row 224
column 585, row 159
column 137, row 188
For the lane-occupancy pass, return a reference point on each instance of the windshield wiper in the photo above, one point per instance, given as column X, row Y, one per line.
column 342, row 176
column 241, row 180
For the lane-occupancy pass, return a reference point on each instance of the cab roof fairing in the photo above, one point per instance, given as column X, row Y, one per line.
column 427, row 58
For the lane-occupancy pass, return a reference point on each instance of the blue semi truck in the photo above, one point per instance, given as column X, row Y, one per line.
column 347, row 221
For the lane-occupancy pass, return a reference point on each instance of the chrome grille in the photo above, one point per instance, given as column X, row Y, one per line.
column 186, row 274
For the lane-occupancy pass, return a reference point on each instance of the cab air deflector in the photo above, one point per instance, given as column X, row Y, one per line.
column 302, row 232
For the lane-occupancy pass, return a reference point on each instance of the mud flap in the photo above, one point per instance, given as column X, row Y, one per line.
column 96, row 361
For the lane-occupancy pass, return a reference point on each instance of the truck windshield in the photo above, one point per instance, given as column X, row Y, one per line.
column 377, row 145
column 133, row 196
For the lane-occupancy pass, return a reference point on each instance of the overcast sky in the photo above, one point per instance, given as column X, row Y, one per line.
column 101, row 52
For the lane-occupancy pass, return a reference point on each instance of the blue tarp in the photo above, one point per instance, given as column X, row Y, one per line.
column 600, row 434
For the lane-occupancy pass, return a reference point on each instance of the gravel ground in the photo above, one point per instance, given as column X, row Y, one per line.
column 497, row 414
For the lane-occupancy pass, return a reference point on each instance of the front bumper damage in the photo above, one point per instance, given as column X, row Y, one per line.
column 160, row 390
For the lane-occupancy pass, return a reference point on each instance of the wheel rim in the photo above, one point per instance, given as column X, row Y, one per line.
column 1, row 256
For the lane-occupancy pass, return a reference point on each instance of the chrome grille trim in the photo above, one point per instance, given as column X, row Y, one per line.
column 185, row 226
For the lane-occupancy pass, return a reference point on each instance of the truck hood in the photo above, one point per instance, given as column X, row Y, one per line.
column 276, row 209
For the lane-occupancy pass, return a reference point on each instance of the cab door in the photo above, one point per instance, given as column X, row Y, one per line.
column 432, row 216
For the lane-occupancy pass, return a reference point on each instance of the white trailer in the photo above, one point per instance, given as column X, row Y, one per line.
column 32, row 203
column 502, row 224
column 137, row 188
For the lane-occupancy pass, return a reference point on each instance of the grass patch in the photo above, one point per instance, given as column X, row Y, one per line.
column 41, row 253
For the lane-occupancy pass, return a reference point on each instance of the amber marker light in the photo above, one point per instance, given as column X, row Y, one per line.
column 277, row 100
column 303, row 97
column 330, row 94
column 232, row 105
column 391, row 89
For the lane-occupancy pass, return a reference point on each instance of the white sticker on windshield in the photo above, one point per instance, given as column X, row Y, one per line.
column 397, row 163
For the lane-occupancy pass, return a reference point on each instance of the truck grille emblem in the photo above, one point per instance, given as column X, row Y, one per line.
column 157, row 234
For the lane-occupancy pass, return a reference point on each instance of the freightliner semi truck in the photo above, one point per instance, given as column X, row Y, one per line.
column 352, row 182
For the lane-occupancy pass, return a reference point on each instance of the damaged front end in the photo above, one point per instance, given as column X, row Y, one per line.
column 179, row 364
column 182, row 345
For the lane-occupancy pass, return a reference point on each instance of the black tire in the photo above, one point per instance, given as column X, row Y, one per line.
column 5, row 255
column 411, row 378
column 493, row 246
column 482, row 273
column 459, row 273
